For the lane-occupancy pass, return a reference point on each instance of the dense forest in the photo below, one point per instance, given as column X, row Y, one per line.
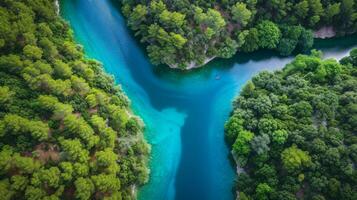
column 66, row 131
column 188, row 33
column 293, row 132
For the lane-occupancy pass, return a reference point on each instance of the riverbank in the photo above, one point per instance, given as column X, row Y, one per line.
column 128, row 142
column 192, row 65
column 57, row 6
column 325, row 32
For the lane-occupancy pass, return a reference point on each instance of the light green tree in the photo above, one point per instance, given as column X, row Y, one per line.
column 241, row 13
column 84, row 188
column 32, row 52
column 294, row 158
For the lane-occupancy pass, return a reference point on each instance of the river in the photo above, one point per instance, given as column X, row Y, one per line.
column 184, row 112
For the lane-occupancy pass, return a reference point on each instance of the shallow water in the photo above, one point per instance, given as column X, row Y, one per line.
column 184, row 112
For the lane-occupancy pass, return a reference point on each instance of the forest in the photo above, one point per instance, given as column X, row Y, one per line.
column 66, row 130
column 186, row 34
column 293, row 131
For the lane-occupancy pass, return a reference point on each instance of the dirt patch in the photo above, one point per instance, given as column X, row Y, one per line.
column 47, row 152
column 325, row 32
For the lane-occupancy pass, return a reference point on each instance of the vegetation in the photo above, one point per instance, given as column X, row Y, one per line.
column 293, row 132
column 66, row 131
column 187, row 33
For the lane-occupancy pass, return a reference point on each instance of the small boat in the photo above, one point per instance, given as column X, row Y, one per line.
column 218, row 77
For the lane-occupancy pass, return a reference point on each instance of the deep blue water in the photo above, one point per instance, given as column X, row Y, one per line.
column 184, row 112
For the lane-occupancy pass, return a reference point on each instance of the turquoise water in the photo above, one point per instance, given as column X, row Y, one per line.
column 184, row 112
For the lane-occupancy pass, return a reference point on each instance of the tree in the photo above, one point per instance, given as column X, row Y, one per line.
column 11, row 64
column 5, row 32
column 267, row 126
column 228, row 49
column 262, row 104
column 84, row 188
column 79, row 85
column 243, row 196
column 241, row 36
column 280, row 136
column 251, row 41
column 306, row 40
column 353, row 152
column 332, row 157
column 212, row 19
column 157, row 7
column 117, row 118
column 48, row 47
column 33, row 193
column 70, row 50
column 106, row 183
column 19, row 182
column 347, row 12
column 294, row 158
column 302, row 9
column 107, row 159
column 285, row 195
column 317, row 10
column 66, row 171
column 107, row 134
column 16, row 125
column 248, row 89
column 137, row 15
column 26, row 165
column 5, row 159
column 49, row 177
column 331, row 11
column 241, row 14
column 260, row 143
column 74, row 150
column 286, row 46
column 172, row 19
column 80, row 169
column 334, row 187
column 32, row 52
column 78, row 126
column 241, row 145
column 263, row 190
column 302, row 109
column 269, row 34
column 177, row 40
column 62, row 70
column 232, row 127
column 5, row 95
column 52, row 104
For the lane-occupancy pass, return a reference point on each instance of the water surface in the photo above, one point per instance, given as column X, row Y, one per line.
column 184, row 112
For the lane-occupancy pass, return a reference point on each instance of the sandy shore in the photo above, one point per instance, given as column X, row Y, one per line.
column 57, row 7
column 193, row 64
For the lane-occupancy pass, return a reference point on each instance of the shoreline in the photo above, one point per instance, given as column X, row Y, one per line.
column 57, row 7
column 134, row 187
column 192, row 64
column 325, row 32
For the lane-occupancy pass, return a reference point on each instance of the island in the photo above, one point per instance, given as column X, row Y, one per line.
column 66, row 130
column 293, row 131
column 188, row 34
